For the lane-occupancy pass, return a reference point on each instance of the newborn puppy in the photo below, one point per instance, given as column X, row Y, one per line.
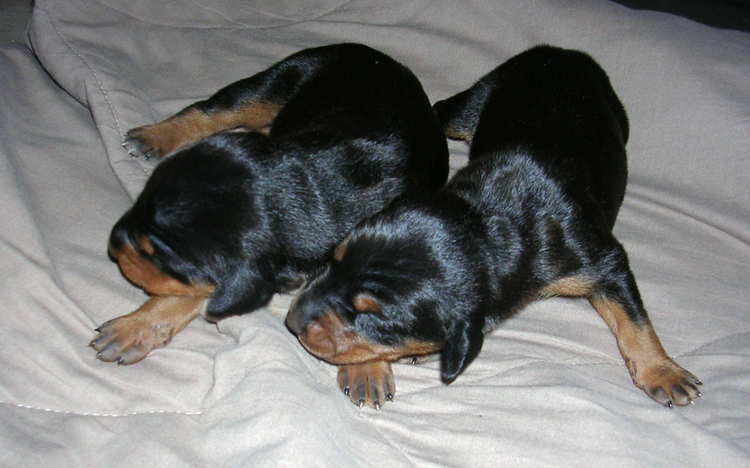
column 529, row 217
column 331, row 136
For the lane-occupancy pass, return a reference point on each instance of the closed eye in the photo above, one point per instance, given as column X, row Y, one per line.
column 316, row 274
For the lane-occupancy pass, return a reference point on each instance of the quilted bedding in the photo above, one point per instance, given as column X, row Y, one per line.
column 548, row 389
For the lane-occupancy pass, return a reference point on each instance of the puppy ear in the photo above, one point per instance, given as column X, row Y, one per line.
column 459, row 115
column 464, row 341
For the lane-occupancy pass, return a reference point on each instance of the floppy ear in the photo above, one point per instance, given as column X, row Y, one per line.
column 241, row 292
column 462, row 346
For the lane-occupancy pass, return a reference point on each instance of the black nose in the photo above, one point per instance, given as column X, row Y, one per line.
column 294, row 321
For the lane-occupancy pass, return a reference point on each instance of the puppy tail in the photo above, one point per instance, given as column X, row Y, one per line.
column 459, row 115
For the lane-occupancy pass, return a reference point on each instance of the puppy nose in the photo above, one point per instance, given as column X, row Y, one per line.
column 294, row 321
column 294, row 324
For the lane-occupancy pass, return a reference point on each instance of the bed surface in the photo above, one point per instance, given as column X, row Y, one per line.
column 548, row 389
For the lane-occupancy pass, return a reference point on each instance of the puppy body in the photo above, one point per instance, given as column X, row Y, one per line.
column 332, row 135
column 529, row 217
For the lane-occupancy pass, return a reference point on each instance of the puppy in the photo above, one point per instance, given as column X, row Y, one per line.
column 332, row 135
column 529, row 217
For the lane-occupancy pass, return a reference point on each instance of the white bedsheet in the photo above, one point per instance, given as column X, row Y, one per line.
column 548, row 389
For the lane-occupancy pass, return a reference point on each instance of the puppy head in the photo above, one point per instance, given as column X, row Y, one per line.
column 384, row 296
column 186, row 226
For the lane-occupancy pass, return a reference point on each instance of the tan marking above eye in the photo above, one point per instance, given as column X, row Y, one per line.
column 146, row 245
column 340, row 250
column 366, row 304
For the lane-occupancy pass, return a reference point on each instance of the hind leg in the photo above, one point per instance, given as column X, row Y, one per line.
column 651, row 369
column 251, row 103
column 197, row 122
column 611, row 289
column 459, row 114
column 613, row 293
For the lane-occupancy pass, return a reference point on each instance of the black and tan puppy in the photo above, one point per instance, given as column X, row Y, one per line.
column 530, row 217
column 332, row 135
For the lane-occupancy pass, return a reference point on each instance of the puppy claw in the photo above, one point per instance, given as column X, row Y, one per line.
column 126, row 340
column 368, row 384
column 142, row 142
column 668, row 384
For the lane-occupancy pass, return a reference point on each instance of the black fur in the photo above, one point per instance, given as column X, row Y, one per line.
column 536, row 203
column 253, row 214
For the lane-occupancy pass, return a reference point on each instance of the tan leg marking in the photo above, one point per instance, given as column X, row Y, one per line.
column 455, row 133
column 192, row 125
column 370, row 383
column 650, row 368
column 571, row 286
column 130, row 338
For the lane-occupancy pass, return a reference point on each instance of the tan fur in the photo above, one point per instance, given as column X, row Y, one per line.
column 130, row 338
column 366, row 304
column 571, row 286
column 331, row 340
column 192, row 125
column 143, row 273
column 370, row 383
column 650, row 368
column 458, row 134
column 340, row 250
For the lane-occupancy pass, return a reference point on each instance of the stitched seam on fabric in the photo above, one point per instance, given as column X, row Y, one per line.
column 99, row 83
column 105, row 415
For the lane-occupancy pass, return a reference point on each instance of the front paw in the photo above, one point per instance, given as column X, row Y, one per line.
column 127, row 339
column 667, row 383
column 370, row 383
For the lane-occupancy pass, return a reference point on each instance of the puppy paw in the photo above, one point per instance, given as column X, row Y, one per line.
column 370, row 384
column 145, row 142
column 128, row 339
column 667, row 383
